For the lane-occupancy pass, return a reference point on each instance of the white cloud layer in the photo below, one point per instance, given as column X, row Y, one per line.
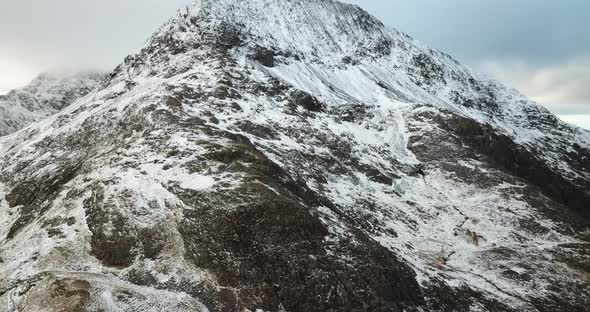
column 563, row 88
column 14, row 74
column 40, row 35
column 578, row 120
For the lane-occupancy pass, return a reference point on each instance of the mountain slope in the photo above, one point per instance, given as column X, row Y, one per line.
column 294, row 156
column 44, row 96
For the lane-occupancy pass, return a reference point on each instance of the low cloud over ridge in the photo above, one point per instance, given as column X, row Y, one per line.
column 563, row 88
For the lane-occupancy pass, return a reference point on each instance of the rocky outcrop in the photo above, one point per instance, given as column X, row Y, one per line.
column 204, row 175
column 521, row 161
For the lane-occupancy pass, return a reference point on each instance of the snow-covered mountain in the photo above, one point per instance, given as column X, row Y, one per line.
column 44, row 96
column 279, row 155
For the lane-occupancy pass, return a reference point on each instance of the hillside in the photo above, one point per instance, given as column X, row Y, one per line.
column 276, row 155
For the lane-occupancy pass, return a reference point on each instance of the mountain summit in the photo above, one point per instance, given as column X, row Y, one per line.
column 47, row 94
column 279, row 155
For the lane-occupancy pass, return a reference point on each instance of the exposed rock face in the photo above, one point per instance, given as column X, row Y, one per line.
column 523, row 162
column 44, row 96
column 357, row 171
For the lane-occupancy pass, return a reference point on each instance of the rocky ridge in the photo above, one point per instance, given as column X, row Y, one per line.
column 44, row 96
column 275, row 155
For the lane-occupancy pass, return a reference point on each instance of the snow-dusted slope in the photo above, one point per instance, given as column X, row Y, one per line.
column 294, row 156
column 44, row 96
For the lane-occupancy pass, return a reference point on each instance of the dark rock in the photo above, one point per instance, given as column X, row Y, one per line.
column 54, row 232
column 486, row 101
column 264, row 57
column 173, row 103
column 307, row 101
column 152, row 241
column 224, row 92
column 349, row 61
column 382, row 85
column 511, row 274
column 354, row 113
column 419, row 171
column 113, row 241
column 236, row 106
column 533, row 226
column 520, row 161
column 77, row 293
column 258, row 130
column 228, row 36
column 429, row 72
column 375, row 175
column 35, row 195
column 441, row 297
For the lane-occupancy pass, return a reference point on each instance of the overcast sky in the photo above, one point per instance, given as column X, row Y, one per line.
column 541, row 47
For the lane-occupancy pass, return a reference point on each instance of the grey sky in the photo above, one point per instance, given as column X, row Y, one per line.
column 541, row 47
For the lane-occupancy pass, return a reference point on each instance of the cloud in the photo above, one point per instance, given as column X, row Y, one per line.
column 40, row 35
column 563, row 88
column 579, row 120
column 14, row 74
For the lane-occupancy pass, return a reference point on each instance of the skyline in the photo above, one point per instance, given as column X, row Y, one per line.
column 536, row 47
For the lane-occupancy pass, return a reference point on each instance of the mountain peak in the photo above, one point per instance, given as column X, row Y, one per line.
column 45, row 95
column 294, row 156
column 309, row 29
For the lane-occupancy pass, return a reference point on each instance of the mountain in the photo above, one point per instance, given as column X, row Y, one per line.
column 44, row 96
column 277, row 155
